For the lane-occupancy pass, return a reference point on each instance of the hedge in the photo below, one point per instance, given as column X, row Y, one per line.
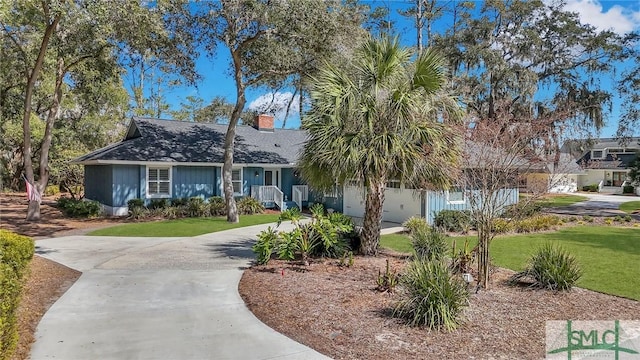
column 15, row 253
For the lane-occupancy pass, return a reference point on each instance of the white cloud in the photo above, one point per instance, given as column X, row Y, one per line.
column 617, row 18
column 276, row 104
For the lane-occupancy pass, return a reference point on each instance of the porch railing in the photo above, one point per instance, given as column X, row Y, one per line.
column 268, row 193
column 299, row 194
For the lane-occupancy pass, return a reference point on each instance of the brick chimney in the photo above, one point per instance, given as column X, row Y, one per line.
column 264, row 122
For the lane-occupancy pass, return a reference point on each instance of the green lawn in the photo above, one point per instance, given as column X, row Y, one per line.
column 183, row 227
column 630, row 206
column 610, row 256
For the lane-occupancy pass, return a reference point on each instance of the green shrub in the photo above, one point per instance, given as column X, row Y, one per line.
column 522, row 210
column 15, row 253
column 293, row 214
column 289, row 244
column 551, row 267
column 197, row 207
column 306, row 244
column 415, row 223
column 617, row 218
column 502, row 226
column 340, row 219
column 52, row 190
column 217, row 206
column 329, row 237
column 590, row 188
column 537, row 223
column 249, row 206
column 158, row 204
column 264, row 247
column 135, row 203
column 453, row 220
column 179, row 202
column 627, row 218
column 628, row 189
column 431, row 296
column 317, row 210
column 79, row 208
column 429, row 244
column 138, row 213
column 170, row 212
column 587, row 218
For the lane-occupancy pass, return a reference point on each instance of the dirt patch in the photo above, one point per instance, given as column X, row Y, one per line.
column 13, row 210
column 339, row 312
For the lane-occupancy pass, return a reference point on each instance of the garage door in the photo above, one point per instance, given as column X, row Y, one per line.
column 399, row 204
column 353, row 201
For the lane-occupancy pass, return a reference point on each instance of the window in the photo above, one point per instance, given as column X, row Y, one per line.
column 393, row 184
column 159, row 182
column 455, row 196
column 597, row 154
column 236, row 180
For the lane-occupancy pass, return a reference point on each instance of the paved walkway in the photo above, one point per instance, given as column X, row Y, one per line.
column 157, row 298
column 597, row 205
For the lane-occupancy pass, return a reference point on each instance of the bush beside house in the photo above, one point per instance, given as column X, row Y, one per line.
column 15, row 253
column 190, row 207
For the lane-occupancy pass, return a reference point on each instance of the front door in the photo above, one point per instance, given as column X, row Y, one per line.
column 271, row 177
column 619, row 178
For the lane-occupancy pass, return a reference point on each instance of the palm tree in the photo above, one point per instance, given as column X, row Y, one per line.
column 384, row 117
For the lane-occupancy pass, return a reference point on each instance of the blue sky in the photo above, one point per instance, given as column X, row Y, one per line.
column 620, row 16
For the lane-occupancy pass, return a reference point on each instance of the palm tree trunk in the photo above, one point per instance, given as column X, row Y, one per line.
column 372, row 218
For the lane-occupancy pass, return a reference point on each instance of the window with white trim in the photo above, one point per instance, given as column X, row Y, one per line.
column 455, row 196
column 236, row 180
column 597, row 154
column 159, row 182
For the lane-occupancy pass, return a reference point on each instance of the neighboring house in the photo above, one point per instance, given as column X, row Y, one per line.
column 173, row 159
column 604, row 161
column 552, row 178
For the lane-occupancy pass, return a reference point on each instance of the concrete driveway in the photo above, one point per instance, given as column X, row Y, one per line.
column 596, row 205
column 157, row 298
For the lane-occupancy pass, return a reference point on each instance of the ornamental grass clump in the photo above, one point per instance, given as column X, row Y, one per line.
column 429, row 244
column 415, row 223
column 431, row 296
column 551, row 267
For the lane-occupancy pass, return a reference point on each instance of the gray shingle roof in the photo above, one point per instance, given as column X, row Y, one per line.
column 159, row 140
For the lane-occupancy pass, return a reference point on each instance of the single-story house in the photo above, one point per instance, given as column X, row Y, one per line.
column 176, row 159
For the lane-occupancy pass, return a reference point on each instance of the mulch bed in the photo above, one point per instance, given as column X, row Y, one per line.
column 338, row 311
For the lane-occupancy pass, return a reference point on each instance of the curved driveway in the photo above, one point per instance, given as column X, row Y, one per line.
column 596, row 205
column 157, row 298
